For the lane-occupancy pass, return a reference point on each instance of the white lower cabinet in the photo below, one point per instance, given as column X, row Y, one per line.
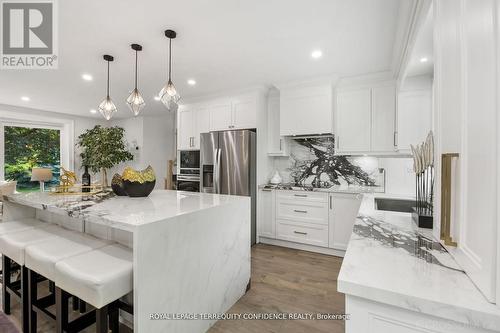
column 374, row 317
column 267, row 221
column 312, row 218
column 342, row 212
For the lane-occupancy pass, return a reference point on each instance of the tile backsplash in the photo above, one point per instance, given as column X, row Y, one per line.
column 312, row 160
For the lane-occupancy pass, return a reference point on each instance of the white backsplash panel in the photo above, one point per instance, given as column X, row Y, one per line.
column 313, row 160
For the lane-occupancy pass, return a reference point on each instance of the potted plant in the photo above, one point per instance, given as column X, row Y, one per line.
column 103, row 148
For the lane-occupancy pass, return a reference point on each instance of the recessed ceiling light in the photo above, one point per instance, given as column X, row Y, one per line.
column 191, row 82
column 424, row 59
column 316, row 54
column 157, row 98
column 93, row 111
column 87, row 77
column 25, row 98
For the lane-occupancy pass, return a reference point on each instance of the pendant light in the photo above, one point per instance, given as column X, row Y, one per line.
column 107, row 108
column 168, row 95
column 135, row 101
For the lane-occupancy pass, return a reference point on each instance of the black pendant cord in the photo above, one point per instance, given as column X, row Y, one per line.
column 136, row 69
column 107, row 88
column 170, row 60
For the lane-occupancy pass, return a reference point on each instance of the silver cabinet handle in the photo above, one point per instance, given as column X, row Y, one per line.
column 338, row 142
column 280, row 144
column 331, row 206
column 301, row 195
column 267, row 189
column 300, row 211
column 299, row 232
column 395, row 138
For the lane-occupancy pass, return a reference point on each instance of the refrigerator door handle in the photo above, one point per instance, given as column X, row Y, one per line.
column 217, row 171
column 219, row 153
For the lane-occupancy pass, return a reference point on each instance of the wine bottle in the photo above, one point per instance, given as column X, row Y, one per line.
column 86, row 180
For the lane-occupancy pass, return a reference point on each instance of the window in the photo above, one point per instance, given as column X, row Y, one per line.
column 28, row 147
column 34, row 138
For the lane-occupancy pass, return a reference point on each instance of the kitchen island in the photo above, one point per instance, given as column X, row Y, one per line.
column 398, row 278
column 191, row 251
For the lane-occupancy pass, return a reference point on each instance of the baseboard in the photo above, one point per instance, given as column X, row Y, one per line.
column 304, row 247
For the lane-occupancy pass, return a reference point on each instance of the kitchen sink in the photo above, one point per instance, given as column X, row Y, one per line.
column 394, row 205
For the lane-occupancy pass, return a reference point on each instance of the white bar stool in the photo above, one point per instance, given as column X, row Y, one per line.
column 12, row 247
column 99, row 277
column 41, row 259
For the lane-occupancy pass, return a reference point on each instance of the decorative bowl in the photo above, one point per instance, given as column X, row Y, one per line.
column 139, row 183
column 117, row 185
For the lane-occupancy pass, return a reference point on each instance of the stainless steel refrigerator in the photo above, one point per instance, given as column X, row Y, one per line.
column 228, row 164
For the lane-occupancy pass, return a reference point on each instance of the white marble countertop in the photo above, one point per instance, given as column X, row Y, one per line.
column 123, row 212
column 354, row 189
column 390, row 260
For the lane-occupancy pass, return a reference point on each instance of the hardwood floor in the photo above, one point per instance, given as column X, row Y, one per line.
column 283, row 281
column 291, row 281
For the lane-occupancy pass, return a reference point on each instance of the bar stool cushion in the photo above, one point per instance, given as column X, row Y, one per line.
column 98, row 277
column 18, row 225
column 43, row 256
column 13, row 244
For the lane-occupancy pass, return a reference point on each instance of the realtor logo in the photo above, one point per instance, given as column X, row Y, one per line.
column 28, row 34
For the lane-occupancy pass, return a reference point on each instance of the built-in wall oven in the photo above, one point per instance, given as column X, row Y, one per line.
column 188, row 177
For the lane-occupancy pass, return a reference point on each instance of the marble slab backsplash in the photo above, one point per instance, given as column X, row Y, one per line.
column 313, row 159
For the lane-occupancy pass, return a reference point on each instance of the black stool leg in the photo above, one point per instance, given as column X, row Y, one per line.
column 32, row 298
column 114, row 318
column 62, row 298
column 25, row 299
column 52, row 287
column 6, row 281
column 101, row 319
column 75, row 301
column 83, row 306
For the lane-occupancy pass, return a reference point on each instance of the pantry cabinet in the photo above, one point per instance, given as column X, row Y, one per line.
column 365, row 120
column 306, row 109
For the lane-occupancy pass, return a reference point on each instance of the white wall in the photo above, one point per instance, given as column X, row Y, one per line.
column 154, row 138
column 399, row 176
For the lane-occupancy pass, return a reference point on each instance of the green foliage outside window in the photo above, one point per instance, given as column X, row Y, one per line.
column 26, row 148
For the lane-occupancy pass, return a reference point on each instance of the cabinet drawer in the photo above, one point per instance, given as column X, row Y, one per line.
column 302, row 196
column 307, row 212
column 306, row 234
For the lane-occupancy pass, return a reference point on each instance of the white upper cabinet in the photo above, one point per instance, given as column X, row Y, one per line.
column 236, row 113
column 306, row 109
column 221, row 116
column 185, row 129
column 365, row 120
column 243, row 113
column 414, row 118
column 192, row 121
column 383, row 119
column 353, row 121
column 277, row 144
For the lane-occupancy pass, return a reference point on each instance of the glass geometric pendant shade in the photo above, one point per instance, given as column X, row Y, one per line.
column 135, row 101
column 107, row 108
column 168, row 95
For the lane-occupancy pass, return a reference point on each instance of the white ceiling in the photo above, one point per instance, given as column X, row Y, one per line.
column 423, row 48
column 223, row 45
